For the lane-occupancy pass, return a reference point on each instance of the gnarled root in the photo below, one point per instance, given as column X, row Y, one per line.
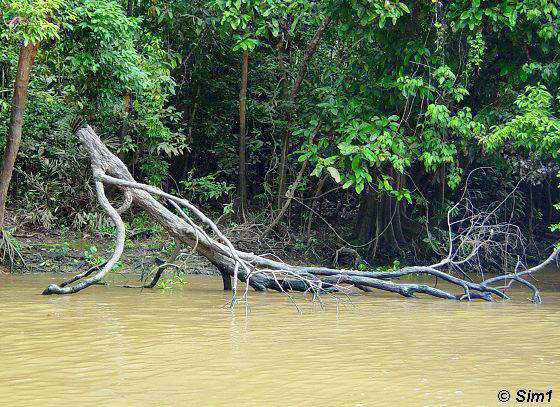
column 193, row 228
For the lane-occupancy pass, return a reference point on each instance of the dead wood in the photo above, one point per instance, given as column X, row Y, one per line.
column 191, row 227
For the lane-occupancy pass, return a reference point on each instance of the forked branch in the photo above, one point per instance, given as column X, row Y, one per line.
column 191, row 227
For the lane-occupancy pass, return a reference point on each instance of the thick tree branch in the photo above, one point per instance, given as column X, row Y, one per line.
column 262, row 273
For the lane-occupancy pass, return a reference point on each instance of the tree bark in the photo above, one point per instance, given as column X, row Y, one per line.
column 27, row 55
column 242, row 196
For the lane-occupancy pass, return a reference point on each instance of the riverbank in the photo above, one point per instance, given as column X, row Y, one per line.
column 64, row 251
column 69, row 252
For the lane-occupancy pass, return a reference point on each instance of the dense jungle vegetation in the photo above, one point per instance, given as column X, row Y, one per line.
column 322, row 125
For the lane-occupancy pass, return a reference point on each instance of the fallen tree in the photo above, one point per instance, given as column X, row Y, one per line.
column 468, row 237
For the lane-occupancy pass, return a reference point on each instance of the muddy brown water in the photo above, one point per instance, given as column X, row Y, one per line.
column 115, row 347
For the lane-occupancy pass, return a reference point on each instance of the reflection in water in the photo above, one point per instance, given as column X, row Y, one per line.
column 110, row 346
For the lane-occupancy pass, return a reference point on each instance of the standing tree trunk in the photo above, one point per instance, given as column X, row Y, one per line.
column 242, row 197
column 13, row 138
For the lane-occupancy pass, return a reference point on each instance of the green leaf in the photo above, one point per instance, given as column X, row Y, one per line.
column 359, row 187
column 347, row 184
column 404, row 7
column 334, row 173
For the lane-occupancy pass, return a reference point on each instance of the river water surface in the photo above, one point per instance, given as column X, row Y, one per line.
column 110, row 346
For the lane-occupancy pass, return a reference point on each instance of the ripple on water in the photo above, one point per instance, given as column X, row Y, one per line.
column 109, row 346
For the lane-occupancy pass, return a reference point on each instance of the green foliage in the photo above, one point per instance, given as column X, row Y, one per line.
column 368, row 13
column 10, row 249
column 400, row 101
column 170, row 282
column 50, row 163
column 206, row 188
column 394, row 266
column 532, row 126
column 101, row 58
column 252, row 21
column 141, row 223
column 91, row 257
column 105, row 60
column 31, row 20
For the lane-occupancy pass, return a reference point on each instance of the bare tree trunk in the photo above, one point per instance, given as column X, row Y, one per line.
column 4, row 69
column 27, row 55
column 311, row 48
column 260, row 272
column 128, row 101
column 390, row 218
column 291, row 191
column 442, row 186
column 242, row 197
